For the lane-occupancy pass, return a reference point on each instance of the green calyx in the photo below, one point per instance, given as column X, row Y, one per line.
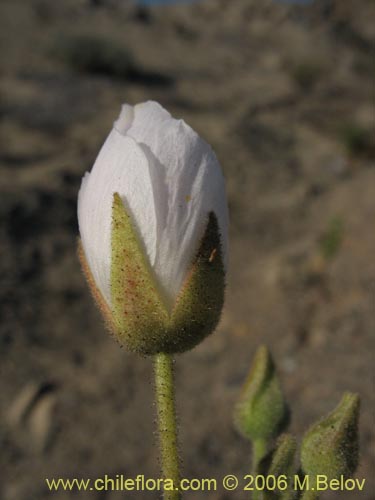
column 330, row 446
column 261, row 409
column 141, row 320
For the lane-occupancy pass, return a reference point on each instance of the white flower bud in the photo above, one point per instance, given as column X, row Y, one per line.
column 169, row 182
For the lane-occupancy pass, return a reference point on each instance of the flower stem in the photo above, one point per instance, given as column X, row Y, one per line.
column 166, row 419
column 259, row 451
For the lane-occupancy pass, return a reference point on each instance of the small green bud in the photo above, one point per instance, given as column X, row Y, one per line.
column 283, row 456
column 261, row 409
column 330, row 446
column 282, row 464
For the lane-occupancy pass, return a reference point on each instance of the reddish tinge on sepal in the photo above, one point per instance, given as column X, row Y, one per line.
column 98, row 297
column 141, row 319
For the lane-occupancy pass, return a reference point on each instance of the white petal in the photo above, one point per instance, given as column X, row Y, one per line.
column 121, row 167
column 125, row 119
column 187, row 183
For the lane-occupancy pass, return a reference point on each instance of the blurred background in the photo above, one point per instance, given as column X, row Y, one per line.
column 284, row 93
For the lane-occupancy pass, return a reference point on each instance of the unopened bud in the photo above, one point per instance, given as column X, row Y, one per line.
column 153, row 223
column 283, row 457
column 261, row 409
column 282, row 467
column 330, row 446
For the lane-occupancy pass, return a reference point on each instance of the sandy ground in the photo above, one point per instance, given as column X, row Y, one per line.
column 284, row 96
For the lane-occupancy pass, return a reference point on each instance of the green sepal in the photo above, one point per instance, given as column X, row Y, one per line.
column 138, row 312
column 261, row 410
column 142, row 322
column 200, row 301
column 330, row 447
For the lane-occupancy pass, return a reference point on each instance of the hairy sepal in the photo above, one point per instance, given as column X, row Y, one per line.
column 141, row 319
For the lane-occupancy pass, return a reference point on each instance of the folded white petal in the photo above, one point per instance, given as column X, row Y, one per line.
column 188, row 184
column 121, row 167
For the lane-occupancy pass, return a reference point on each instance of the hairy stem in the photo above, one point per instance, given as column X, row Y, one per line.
column 259, row 452
column 167, row 426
